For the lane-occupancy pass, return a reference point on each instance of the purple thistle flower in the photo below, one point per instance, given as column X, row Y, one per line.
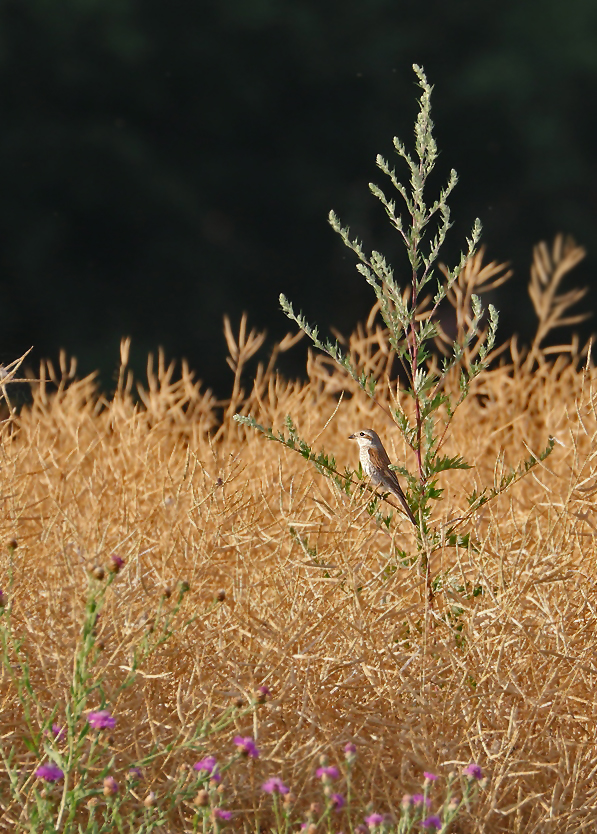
column 49, row 773
column 59, row 732
column 474, row 771
column 350, row 750
column 246, row 746
column 262, row 694
column 210, row 766
column 222, row 814
column 337, row 801
column 326, row 774
column 135, row 773
column 373, row 820
column 433, row 820
column 116, row 563
column 431, row 776
column 274, row 785
column 101, row 720
column 420, row 799
column 110, row 786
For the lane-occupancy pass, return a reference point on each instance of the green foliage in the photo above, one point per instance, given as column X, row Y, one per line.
column 84, row 754
column 423, row 234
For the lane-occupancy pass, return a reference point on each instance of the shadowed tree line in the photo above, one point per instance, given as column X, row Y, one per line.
column 165, row 163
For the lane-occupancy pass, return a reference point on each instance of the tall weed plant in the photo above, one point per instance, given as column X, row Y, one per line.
column 426, row 392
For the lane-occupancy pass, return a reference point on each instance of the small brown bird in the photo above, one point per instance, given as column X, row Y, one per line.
column 376, row 464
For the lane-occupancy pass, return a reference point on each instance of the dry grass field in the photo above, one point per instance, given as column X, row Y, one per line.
column 318, row 606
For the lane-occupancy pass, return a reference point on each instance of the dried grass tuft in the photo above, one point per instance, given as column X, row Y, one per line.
column 317, row 604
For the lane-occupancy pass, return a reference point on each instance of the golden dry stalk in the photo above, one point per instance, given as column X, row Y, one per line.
column 293, row 586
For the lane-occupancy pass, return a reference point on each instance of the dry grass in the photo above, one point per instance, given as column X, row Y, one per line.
column 317, row 606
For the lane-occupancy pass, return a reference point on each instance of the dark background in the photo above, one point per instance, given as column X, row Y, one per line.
column 165, row 162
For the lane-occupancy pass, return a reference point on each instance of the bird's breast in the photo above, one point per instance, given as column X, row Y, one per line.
column 368, row 467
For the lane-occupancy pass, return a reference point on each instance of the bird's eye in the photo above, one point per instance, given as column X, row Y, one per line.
column 362, row 434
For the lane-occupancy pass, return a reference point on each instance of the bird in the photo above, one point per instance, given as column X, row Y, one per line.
column 376, row 464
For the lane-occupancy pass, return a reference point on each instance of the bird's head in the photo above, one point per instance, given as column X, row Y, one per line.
column 366, row 438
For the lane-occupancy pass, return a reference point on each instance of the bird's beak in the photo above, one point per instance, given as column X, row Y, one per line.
column 352, row 436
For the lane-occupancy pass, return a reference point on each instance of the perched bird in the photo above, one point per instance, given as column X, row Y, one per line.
column 376, row 464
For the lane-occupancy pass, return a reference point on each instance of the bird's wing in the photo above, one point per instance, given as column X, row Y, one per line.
column 379, row 457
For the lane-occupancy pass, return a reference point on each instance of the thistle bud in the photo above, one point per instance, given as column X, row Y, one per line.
column 202, row 799
column 110, row 786
column 116, row 563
